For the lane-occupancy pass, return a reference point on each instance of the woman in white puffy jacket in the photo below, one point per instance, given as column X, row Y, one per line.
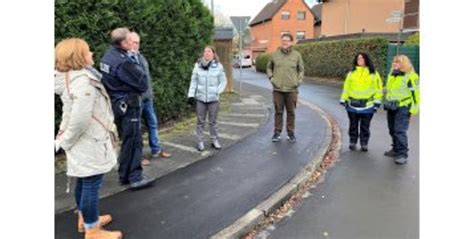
column 86, row 131
column 208, row 81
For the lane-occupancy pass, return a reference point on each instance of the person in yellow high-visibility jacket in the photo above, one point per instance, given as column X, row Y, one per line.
column 362, row 95
column 402, row 100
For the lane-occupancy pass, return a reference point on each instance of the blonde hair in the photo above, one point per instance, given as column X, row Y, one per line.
column 213, row 49
column 70, row 54
column 405, row 63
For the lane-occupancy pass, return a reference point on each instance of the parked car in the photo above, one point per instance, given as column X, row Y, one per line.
column 246, row 61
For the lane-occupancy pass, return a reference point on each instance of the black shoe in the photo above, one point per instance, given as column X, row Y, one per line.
column 364, row 148
column 145, row 182
column 124, row 182
column 390, row 153
column 400, row 160
column 292, row 138
column 352, row 146
column 276, row 137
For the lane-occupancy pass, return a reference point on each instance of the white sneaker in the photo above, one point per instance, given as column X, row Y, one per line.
column 216, row 144
column 200, row 146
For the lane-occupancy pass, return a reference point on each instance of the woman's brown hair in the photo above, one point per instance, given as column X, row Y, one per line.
column 71, row 54
column 213, row 49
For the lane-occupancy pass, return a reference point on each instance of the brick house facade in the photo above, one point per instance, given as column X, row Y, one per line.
column 278, row 17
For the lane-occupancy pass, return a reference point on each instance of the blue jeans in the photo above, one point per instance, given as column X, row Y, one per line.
column 151, row 122
column 398, row 122
column 87, row 198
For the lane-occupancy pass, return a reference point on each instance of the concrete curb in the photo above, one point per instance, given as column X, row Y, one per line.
column 262, row 122
column 250, row 219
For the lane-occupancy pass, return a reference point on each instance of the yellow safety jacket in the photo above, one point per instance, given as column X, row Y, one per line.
column 361, row 85
column 405, row 90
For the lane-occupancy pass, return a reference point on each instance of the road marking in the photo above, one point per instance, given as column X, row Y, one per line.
column 243, row 115
column 252, row 107
column 187, row 148
column 249, row 101
column 251, row 125
column 226, row 136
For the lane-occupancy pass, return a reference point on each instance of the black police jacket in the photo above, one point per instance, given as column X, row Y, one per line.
column 122, row 76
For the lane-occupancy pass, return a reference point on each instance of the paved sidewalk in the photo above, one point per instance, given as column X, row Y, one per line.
column 202, row 198
column 239, row 117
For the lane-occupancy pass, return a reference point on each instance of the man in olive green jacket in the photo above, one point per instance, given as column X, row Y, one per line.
column 286, row 71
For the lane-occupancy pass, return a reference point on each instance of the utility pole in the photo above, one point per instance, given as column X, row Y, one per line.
column 346, row 19
column 212, row 7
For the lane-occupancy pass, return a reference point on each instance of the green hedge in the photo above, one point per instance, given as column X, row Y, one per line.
column 261, row 62
column 413, row 40
column 173, row 35
column 333, row 59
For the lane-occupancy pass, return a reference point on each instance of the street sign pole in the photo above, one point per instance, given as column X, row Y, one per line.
column 241, row 55
column 400, row 34
column 240, row 23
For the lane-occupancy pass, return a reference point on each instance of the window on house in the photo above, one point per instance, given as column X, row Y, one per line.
column 300, row 36
column 285, row 15
column 301, row 15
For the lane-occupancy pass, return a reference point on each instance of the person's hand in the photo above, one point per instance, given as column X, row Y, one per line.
column 191, row 101
column 343, row 103
column 377, row 105
column 60, row 132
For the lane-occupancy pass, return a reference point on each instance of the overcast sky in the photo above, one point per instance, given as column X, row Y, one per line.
column 242, row 7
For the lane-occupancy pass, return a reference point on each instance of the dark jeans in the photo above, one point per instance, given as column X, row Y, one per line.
column 87, row 197
column 151, row 121
column 131, row 151
column 398, row 122
column 282, row 101
column 202, row 110
column 362, row 121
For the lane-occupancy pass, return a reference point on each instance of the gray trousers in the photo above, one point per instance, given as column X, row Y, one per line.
column 202, row 109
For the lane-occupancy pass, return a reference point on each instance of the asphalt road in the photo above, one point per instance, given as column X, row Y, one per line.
column 203, row 198
column 365, row 195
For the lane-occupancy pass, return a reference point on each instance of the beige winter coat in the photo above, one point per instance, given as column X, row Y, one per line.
column 86, row 124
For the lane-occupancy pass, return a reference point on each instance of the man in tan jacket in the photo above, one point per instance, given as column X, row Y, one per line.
column 286, row 71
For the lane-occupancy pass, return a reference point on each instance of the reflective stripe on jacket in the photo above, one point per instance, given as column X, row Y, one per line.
column 361, row 85
column 405, row 90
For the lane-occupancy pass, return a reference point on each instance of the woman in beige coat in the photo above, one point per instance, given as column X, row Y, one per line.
column 86, row 131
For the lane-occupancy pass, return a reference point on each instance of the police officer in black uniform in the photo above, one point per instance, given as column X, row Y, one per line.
column 125, row 81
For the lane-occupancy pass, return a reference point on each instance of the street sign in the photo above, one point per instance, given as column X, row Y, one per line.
column 397, row 13
column 393, row 19
column 240, row 23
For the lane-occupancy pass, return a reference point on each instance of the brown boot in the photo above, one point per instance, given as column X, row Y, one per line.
column 98, row 233
column 103, row 220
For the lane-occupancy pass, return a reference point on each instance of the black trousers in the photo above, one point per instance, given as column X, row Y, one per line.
column 398, row 122
column 131, row 151
column 359, row 121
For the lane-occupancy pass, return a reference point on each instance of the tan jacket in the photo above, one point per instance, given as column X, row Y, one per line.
column 87, row 120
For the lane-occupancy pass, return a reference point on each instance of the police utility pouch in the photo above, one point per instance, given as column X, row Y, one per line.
column 390, row 105
column 358, row 103
column 133, row 100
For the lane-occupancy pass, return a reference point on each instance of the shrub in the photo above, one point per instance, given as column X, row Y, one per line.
column 333, row 59
column 173, row 35
column 413, row 40
column 261, row 62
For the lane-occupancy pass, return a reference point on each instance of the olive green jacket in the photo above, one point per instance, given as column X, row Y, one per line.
column 286, row 70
